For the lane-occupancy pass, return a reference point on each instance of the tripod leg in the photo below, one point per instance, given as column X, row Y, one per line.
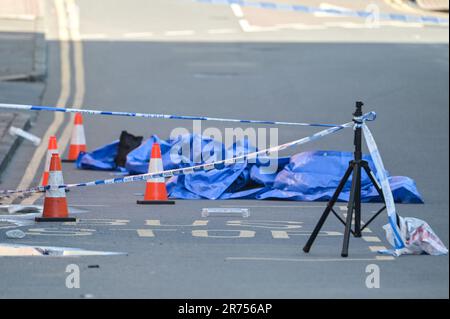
column 350, row 208
column 330, row 205
column 357, row 202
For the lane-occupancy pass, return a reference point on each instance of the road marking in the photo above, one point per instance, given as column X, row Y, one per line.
column 195, row 223
column 73, row 25
column 237, row 10
column 268, row 224
column 281, row 234
column 80, row 87
column 100, row 222
column 371, row 239
column 60, row 232
column 179, row 33
column 385, row 258
column 301, row 259
column 145, row 233
column 274, row 206
column 206, row 233
column 58, row 119
column 377, row 248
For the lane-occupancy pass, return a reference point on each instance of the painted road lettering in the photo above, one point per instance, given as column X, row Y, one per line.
column 223, row 233
column 282, row 234
column 60, row 231
column 268, row 224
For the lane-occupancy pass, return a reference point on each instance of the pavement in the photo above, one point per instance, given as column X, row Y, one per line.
column 22, row 67
column 191, row 58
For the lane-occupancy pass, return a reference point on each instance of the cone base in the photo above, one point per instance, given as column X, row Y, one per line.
column 66, row 160
column 55, row 219
column 155, row 202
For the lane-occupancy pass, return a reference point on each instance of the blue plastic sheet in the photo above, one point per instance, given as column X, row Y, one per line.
column 307, row 176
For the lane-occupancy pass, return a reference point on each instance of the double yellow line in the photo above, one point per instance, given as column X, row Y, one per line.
column 67, row 14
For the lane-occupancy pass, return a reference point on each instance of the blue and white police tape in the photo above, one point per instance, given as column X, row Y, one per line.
column 197, row 168
column 152, row 116
column 385, row 187
column 333, row 11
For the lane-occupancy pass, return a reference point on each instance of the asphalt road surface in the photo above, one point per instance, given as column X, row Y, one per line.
column 191, row 58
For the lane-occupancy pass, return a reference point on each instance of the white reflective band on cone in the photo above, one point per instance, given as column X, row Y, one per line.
column 78, row 137
column 156, row 165
column 55, row 178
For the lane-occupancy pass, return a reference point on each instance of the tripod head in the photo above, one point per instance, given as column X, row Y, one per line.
column 358, row 112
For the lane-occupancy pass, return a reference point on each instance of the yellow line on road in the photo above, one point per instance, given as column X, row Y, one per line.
column 68, row 22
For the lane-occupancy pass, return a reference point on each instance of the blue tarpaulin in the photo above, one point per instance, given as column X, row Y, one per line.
column 306, row 176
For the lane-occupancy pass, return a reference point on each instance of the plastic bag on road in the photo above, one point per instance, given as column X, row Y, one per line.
column 418, row 236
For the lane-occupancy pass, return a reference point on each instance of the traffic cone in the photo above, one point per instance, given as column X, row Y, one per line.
column 55, row 203
column 52, row 149
column 78, row 139
column 155, row 190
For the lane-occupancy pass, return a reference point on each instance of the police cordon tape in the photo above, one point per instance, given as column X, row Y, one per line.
column 197, row 168
column 333, row 11
column 357, row 121
column 152, row 116
column 385, row 187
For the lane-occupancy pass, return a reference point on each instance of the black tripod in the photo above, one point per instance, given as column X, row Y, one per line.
column 354, row 203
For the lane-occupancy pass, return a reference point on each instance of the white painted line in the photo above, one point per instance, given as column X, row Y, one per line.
column 377, row 248
column 145, row 233
column 385, row 258
column 200, row 223
column 299, row 259
column 278, row 234
column 179, row 33
column 206, row 233
column 371, row 239
column 366, row 230
column 274, row 206
column 245, row 25
column 237, row 10
column 153, row 222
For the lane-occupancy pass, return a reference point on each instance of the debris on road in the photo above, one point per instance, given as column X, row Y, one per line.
column 28, row 136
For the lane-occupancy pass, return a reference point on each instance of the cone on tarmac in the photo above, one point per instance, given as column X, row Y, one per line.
column 78, row 139
column 51, row 149
column 55, row 202
column 155, row 190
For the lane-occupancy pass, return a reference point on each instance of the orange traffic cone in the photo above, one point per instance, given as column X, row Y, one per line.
column 155, row 190
column 52, row 149
column 78, row 139
column 55, row 203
